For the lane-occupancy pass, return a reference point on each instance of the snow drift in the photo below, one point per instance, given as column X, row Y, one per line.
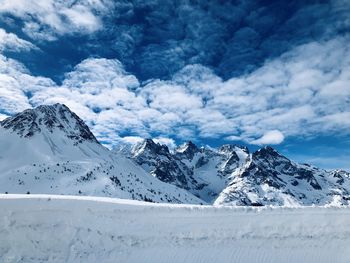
column 85, row 229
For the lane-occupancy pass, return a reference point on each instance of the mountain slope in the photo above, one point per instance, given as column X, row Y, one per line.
column 49, row 149
column 268, row 178
column 202, row 171
column 230, row 175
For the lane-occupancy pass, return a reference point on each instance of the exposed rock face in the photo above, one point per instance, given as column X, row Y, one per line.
column 49, row 118
column 230, row 175
column 157, row 160
column 203, row 172
column 269, row 178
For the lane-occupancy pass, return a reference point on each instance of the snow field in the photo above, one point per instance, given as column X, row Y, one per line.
column 44, row 228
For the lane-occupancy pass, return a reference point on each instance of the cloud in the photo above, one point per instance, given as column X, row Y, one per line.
column 155, row 39
column 11, row 42
column 47, row 19
column 3, row 116
column 270, row 137
column 166, row 141
column 17, row 85
column 131, row 140
column 230, row 38
column 304, row 92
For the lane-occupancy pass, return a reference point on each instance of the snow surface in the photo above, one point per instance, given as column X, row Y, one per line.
column 44, row 228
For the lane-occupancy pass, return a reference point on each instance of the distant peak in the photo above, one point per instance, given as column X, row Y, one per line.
column 268, row 148
column 191, row 145
column 48, row 109
column 148, row 142
column 51, row 106
column 267, row 151
column 149, row 145
column 229, row 148
column 48, row 118
column 189, row 149
column 188, row 146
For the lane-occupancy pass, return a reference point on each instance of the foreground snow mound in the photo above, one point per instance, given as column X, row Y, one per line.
column 69, row 229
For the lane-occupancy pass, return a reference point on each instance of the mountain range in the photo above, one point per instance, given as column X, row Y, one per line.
column 50, row 150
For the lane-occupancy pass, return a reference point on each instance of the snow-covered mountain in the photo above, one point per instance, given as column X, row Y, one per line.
column 203, row 172
column 49, row 149
column 230, row 175
column 268, row 178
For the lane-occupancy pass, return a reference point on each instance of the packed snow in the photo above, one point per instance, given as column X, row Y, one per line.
column 44, row 228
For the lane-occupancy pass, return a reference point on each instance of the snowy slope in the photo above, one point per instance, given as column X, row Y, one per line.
column 49, row 149
column 230, row 175
column 202, row 171
column 88, row 230
column 268, row 178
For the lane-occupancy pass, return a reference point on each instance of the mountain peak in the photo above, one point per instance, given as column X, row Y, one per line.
column 150, row 146
column 49, row 118
column 188, row 148
column 229, row 148
column 266, row 151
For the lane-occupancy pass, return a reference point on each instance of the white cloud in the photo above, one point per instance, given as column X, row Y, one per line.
column 170, row 97
column 303, row 92
column 11, row 42
column 3, row 116
column 131, row 139
column 270, row 137
column 233, row 138
column 165, row 141
column 45, row 19
column 16, row 84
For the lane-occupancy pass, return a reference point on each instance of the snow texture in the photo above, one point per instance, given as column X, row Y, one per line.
column 68, row 229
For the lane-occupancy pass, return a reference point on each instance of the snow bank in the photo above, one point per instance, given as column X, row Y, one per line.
column 42, row 228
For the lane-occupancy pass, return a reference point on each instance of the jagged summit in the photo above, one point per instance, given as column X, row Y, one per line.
column 188, row 149
column 229, row 148
column 187, row 146
column 267, row 152
column 150, row 146
column 49, row 118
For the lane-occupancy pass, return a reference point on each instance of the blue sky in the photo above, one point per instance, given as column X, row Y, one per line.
column 246, row 72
